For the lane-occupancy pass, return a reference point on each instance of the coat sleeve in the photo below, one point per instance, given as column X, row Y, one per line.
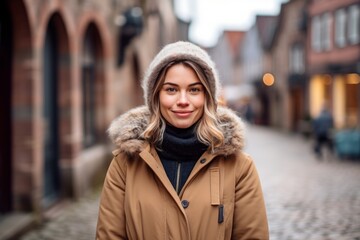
column 111, row 218
column 250, row 220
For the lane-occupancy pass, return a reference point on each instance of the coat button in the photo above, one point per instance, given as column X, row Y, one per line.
column 203, row 160
column 185, row 203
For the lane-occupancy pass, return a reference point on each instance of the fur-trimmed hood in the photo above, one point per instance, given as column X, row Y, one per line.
column 125, row 131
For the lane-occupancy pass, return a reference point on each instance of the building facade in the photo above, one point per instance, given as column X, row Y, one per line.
column 309, row 60
column 68, row 69
column 256, row 63
column 333, row 46
column 226, row 57
column 289, row 92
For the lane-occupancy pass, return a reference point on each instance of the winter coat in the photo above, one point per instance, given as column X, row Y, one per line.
column 222, row 198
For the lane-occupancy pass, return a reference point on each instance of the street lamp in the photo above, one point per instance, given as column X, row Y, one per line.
column 268, row 79
column 131, row 25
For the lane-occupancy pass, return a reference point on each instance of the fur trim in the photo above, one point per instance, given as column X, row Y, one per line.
column 233, row 129
column 180, row 51
column 126, row 130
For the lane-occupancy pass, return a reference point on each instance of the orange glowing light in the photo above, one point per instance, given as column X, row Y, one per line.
column 268, row 79
column 353, row 78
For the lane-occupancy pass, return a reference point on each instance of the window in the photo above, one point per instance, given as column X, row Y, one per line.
column 297, row 59
column 347, row 26
column 321, row 27
column 325, row 31
column 353, row 24
column 316, row 34
column 340, row 27
column 88, row 88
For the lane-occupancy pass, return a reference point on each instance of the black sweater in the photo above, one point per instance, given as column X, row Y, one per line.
column 178, row 153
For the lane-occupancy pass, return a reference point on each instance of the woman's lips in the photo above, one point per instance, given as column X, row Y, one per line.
column 182, row 114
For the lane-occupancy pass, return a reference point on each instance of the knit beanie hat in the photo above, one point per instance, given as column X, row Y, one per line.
column 176, row 52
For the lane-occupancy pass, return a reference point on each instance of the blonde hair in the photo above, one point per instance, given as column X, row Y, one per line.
column 207, row 128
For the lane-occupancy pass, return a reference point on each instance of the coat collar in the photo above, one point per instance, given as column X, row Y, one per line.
column 125, row 131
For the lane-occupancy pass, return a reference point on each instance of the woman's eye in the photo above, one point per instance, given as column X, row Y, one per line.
column 170, row 89
column 195, row 89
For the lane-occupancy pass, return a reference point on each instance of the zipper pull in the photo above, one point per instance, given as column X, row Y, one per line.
column 221, row 213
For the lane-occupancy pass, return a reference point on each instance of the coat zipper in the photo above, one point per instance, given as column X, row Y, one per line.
column 178, row 171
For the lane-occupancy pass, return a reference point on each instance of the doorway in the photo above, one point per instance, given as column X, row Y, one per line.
column 6, row 49
column 50, row 114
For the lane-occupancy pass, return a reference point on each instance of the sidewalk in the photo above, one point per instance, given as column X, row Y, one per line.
column 15, row 224
column 77, row 221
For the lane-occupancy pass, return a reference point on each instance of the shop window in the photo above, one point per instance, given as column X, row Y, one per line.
column 328, row 86
column 352, row 98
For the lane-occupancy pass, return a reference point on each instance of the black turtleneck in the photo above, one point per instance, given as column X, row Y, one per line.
column 178, row 153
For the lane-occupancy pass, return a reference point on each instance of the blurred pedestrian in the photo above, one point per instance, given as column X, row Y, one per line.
column 248, row 112
column 322, row 126
column 179, row 171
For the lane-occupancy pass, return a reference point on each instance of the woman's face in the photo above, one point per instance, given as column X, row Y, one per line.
column 182, row 97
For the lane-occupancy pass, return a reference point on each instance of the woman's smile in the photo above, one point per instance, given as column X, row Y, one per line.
column 182, row 114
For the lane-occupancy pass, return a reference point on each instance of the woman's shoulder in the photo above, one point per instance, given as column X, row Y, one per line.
column 233, row 129
column 243, row 164
column 125, row 131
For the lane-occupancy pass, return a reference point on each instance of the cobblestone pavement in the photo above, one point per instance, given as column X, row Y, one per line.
column 306, row 199
column 76, row 222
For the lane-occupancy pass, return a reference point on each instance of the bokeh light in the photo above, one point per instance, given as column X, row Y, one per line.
column 268, row 79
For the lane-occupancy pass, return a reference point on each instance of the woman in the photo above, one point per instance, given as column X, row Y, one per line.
column 179, row 171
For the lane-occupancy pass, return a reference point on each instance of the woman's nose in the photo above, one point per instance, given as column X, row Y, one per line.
column 183, row 99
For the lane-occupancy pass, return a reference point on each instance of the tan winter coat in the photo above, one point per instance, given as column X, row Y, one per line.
column 222, row 198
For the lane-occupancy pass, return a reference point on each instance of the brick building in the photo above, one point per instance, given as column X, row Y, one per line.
column 334, row 59
column 313, row 56
column 68, row 68
column 289, row 92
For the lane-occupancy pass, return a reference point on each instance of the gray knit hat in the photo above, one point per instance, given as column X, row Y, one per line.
column 176, row 52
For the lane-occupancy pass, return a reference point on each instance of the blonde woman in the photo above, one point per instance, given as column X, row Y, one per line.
column 179, row 171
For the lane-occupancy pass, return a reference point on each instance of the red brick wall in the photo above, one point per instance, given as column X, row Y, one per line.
column 347, row 54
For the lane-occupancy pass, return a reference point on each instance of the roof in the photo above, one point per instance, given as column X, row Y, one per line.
column 266, row 26
column 234, row 38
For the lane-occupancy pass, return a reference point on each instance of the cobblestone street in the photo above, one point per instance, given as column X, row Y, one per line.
column 76, row 222
column 306, row 199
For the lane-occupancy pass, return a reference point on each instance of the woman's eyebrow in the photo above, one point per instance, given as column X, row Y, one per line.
column 170, row 83
column 196, row 83
column 174, row 84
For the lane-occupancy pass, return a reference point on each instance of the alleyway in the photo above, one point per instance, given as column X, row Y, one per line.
column 306, row 199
